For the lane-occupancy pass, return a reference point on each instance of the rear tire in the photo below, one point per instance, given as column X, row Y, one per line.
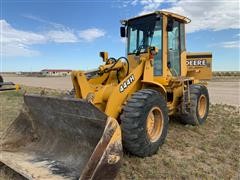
column 144, row 123
column 199, row 106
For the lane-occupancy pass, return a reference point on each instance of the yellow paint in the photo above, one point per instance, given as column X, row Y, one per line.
column 203, row 70
column 17, row 86
column 154, row 125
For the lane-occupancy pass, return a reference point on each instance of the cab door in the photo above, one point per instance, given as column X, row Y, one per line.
column 174, row 49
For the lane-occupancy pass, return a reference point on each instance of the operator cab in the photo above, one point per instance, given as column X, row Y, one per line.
column 148, row 31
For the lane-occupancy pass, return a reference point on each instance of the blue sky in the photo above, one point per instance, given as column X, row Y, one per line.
column 70, row 34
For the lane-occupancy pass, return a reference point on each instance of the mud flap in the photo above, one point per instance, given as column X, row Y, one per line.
column 62, row 138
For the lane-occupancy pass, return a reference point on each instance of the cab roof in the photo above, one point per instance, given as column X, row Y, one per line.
column 186, row 20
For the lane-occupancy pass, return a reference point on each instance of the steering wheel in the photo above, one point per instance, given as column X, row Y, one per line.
column 138, row 49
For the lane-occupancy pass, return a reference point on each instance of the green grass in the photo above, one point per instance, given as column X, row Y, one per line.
column 209, row 151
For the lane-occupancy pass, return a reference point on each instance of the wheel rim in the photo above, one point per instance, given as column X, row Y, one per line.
column 202, row 106
column 154, row 124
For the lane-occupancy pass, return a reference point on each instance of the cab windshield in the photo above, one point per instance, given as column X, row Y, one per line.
column 144, row 32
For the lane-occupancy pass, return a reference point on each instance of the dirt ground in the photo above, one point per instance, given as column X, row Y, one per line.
column 210, row 151
column 63, row 83
column 222, row 91
column 225, row 92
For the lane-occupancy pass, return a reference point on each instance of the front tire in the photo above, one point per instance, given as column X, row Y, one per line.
column 144, row 122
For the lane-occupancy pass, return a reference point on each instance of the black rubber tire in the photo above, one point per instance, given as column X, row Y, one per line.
column 193, row 117
column 1, row 80
column 134, row 119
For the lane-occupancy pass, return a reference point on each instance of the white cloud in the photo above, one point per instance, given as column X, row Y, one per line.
column 62, row 36
column 10, row 35
column 91, row 34
column 16, row 42
column 49, row 23
column 12, row 50
column 134, row 2
column 212, row 15
column 227, row 44
column 150, row 6
column 230, row 44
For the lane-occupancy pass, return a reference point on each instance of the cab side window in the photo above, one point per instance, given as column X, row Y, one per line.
column 174, row 49
column 156, row 41
column 182, row 37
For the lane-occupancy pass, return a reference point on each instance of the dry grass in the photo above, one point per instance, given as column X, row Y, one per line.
column 210, row 151
column 226, row 76
column 227, row 73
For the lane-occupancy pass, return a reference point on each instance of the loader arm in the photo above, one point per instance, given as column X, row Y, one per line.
column 125, row 88
column 104, row 90
column 107, row 93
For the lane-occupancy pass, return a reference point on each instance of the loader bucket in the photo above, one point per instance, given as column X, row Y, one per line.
column 62, row 138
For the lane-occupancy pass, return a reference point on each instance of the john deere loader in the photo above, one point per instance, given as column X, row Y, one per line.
column 126, row 102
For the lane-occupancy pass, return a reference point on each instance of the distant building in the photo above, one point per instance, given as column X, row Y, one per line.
column 56, row 72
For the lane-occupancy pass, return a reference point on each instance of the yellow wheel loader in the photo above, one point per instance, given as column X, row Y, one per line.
column 125, row 102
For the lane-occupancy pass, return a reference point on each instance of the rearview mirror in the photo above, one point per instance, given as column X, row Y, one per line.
column 123, row 31
column 170, row 24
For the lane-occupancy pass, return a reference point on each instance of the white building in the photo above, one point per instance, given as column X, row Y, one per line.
column 56, row 72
